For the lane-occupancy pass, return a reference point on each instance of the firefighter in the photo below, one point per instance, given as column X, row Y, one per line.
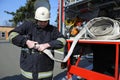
column 33, row 38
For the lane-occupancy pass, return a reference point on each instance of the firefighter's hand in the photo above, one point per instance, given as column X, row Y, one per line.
column 31, row 44
column 42, row 47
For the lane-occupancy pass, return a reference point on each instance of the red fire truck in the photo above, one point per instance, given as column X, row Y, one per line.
column 69, row 11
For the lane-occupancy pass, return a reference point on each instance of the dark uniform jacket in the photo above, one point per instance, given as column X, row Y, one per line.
column 36, row 62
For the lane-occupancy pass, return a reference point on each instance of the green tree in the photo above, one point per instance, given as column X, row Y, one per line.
column 23, row 13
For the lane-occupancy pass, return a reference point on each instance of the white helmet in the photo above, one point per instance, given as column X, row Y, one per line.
column 42, row 14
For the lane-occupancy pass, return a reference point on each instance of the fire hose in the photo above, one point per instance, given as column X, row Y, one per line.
column 101, row 28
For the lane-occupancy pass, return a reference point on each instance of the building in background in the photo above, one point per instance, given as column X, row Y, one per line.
column 4, row 30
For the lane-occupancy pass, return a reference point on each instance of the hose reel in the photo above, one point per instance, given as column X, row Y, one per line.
column 103, row 28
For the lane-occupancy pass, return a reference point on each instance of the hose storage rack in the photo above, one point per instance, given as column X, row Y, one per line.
column 92, row 75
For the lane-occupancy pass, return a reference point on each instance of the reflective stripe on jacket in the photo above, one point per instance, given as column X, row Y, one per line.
column 40, row 74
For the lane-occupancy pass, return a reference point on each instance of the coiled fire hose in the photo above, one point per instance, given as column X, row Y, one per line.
column 101, row 28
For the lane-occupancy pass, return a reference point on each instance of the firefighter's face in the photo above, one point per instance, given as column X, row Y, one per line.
column 42, row 24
